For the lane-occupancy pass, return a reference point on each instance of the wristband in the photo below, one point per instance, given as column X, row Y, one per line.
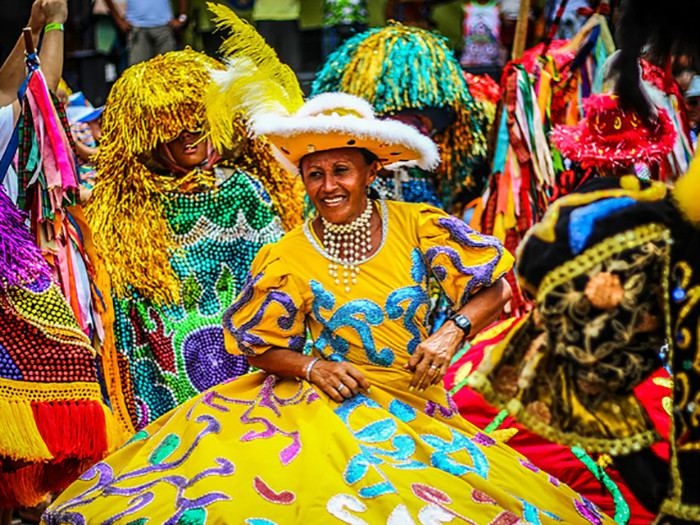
column 309, row 366
column 55, row 25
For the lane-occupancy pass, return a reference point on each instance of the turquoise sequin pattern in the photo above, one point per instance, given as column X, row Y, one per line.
column 381, row 443
column 177, row 351
column 360, row 315
column 413, row 298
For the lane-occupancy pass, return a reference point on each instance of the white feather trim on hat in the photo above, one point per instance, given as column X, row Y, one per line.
column 330, row 101
column 338, row 120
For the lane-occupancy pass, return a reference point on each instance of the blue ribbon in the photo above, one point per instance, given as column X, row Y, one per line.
column 32, row 64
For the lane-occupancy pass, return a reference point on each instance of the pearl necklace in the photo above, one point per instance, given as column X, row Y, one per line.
column 355, row 240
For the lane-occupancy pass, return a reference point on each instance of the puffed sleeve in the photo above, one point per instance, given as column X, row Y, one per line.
column 461, row 259
column 268, row 312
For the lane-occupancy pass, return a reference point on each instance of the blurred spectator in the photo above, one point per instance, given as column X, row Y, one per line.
column 108, row 39
column 341, row 20
column 692, row 99
column 49, row 15
column 410, row 12
column 684, row 78
column 482, row 34
column 85, row 126
column 509, row 18
column 278, row 22
column 149, row 26
column 573, row 18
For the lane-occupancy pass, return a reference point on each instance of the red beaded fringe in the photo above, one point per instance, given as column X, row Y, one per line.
column 72, row 429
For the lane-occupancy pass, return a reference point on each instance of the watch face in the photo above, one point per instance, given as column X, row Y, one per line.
column 463, row 322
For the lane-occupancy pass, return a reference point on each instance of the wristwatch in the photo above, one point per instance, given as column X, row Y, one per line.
column 462, row 322
column 182, row 18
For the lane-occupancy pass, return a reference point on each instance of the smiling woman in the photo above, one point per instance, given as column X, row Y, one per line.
column 336, row 182
column 366, row 412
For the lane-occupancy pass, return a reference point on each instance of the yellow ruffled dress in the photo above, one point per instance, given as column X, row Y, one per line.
column 261, row 450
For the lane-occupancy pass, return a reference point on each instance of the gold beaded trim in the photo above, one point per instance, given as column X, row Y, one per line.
column 613, row 446
column 601, row 251
column 674, row 507
column 11, row 390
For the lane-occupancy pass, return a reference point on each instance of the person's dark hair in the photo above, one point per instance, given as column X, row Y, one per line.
column 367, row 155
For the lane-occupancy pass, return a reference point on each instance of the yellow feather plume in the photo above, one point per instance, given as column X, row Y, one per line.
column 687, row 192
column 254, row 82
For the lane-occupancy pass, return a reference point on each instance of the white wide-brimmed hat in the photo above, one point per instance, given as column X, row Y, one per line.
column 338, row 120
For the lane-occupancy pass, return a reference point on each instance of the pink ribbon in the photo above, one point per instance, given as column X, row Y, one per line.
column 57, row 136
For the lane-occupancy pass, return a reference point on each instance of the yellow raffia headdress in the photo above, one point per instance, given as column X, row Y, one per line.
column 152, row 103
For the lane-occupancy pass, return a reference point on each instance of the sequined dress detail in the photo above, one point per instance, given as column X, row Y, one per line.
column 261, row 450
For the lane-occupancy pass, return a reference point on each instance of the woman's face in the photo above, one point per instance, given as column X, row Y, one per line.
column 336, row 181
column 187, row 150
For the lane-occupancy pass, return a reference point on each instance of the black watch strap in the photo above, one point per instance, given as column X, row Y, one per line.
column 463, row 323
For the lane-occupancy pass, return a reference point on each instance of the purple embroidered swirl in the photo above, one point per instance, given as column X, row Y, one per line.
column 107, row 484
column 481, row 274
column 244, row 334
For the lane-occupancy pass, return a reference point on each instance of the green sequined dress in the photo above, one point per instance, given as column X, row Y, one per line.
column 169, row 354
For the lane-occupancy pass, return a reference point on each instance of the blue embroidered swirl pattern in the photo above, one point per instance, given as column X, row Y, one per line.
column 416, row 296
column 347, row 315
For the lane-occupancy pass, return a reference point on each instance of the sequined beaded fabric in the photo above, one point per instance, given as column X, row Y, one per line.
column 167, row 354
column 409, row 185
column 261, row 450
column 52, row 415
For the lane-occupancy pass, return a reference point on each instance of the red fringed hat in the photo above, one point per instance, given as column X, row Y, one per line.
column 611, row 137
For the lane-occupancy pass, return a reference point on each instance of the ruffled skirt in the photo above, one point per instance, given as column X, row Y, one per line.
column 260, row 450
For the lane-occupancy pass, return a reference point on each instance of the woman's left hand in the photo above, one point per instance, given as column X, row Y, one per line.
column 431, row 358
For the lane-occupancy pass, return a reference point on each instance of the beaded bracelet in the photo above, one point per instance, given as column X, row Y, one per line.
column 55, row 25
column 309, row 366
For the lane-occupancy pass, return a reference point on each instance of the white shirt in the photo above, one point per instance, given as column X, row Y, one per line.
column 9, row 183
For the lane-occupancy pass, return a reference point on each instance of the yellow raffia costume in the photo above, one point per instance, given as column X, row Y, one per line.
column 177, row 248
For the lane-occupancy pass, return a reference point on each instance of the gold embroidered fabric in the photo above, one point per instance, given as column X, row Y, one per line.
column 568, row 370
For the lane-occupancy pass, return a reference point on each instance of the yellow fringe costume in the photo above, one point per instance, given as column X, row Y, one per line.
column 177, row 249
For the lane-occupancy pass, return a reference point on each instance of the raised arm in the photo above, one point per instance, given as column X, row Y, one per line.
column 12, row 72
column 51, row 54
column 432, row 357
